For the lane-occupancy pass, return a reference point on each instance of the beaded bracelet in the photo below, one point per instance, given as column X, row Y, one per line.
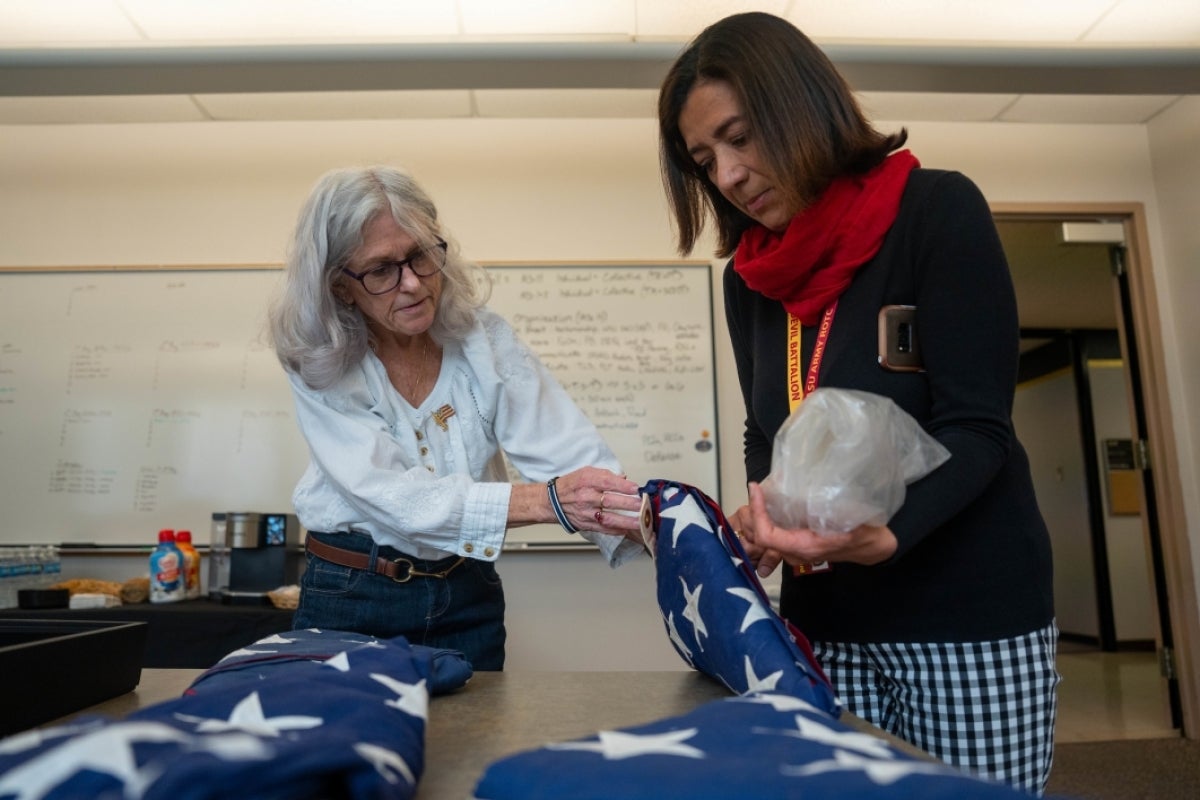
column 558, row 509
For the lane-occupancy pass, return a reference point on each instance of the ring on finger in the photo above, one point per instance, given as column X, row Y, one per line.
column 602, row 501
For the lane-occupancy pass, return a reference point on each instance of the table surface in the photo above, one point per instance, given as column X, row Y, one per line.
column 501, row 713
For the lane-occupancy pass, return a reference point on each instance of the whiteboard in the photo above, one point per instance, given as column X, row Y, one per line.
column 633, row 345
column 137, row 400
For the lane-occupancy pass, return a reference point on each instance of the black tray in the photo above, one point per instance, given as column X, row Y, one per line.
column 54, row 667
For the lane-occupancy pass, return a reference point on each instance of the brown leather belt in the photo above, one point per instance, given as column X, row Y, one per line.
column 401, row 570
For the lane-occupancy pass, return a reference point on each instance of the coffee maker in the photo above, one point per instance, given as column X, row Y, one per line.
column 252, row 553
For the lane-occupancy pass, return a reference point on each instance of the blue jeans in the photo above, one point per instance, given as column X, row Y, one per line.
column 463, row 611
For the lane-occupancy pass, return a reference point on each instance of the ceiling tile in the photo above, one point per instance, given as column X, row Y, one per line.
column 337, row 105
column 1099, row 109
column 683, row 19
column 567, row 103
column 927, row 106
column 543, row 17
column 214, row 21
column 961, row 20
column 66, row 22
column 86, row 110
column 1156, row 21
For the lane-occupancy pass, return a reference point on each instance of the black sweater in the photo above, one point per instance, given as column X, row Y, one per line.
column 973, row 562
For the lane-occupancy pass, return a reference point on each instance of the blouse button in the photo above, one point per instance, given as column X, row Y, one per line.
column 430, row 468
column 489, row 552
column 420, row 435
column 470, row 548
column 424, row 451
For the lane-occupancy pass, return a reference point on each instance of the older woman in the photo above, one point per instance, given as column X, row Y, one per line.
column 408, row 389
column 938, row 626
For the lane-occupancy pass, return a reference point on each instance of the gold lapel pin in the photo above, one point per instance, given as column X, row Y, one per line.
column 442, row 414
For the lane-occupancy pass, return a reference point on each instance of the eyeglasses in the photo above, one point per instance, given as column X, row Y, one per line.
column 385, row 276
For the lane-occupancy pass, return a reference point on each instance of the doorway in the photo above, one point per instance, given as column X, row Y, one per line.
column 1081, row 415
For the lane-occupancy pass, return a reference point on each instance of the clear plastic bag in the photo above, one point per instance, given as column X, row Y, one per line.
column 843, row 459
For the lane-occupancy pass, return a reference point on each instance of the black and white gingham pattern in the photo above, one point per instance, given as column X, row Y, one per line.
column 988, row 707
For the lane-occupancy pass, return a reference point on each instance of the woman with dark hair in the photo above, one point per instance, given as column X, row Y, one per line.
column 407, row 390
column 938, row 626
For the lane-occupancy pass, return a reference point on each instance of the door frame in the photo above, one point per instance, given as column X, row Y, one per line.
column 1178, row 575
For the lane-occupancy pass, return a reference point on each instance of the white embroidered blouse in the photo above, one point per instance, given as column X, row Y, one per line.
column 430, row 481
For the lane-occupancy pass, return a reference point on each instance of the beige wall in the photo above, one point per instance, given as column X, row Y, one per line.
column 1175, row 149
column 542, row 190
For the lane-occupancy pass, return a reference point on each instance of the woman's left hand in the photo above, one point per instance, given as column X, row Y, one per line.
column 866, row 544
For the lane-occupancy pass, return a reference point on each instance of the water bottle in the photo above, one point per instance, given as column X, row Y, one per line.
column 167, row 575
column 51, row 566
column 8, row 592
column 191, row 564
column 23, row 572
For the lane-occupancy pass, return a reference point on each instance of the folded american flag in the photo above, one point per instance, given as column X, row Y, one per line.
column 753, row 745
column 716, row 612
column 296, row 715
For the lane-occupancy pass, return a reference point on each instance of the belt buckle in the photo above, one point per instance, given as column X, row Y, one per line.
column 408, row 570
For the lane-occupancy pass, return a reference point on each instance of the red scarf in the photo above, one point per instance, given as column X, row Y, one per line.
column 814, row 260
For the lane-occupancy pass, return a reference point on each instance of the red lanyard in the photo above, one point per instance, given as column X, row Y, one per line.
column 796, row 389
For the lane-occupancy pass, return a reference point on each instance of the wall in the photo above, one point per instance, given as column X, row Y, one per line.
column 1173, row 138
column 508, row 189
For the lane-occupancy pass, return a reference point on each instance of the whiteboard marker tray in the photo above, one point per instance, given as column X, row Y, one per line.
column 54, row 667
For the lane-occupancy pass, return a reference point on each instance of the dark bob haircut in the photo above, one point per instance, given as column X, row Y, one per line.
column 804, row 119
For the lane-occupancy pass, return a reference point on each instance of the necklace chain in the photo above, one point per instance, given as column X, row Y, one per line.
column 419, row 373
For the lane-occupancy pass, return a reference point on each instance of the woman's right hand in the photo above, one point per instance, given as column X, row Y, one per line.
column 765, row 561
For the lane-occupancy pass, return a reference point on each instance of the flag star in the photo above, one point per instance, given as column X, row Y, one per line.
column 246, row 651
column 691, row 610
column 879, row 772
column 106, row 750
column 676, row 639
column 757, row 684
column 727, row 540
column 615, row 745
column 814, row 731
column 780, row 702
column 413, row 697
column 28, row 740
column 387, row 763
column 756, row 612
column 248, row 716
column 685, row 515
column 340, row 662
column 273, row 639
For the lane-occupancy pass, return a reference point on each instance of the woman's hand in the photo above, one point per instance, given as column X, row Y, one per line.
column 765, row 561
column 591, row 499
column 867, row 544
